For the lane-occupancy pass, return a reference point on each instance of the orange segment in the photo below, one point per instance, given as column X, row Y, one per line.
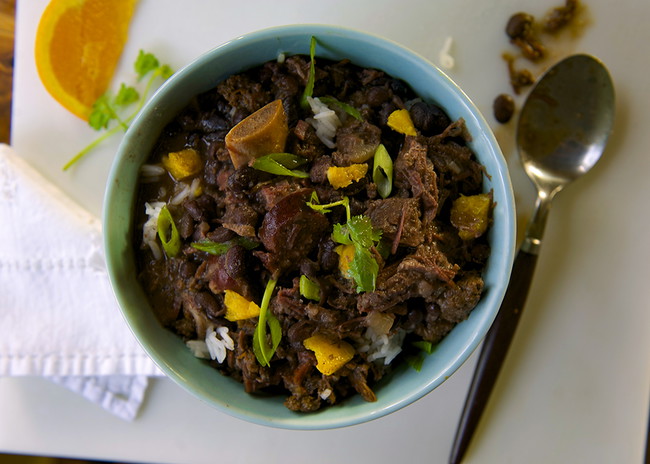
column 78, row 45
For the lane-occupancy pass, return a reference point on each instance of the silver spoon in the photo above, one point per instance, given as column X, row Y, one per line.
column 562, row 131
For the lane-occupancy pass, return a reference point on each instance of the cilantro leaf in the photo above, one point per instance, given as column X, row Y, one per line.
column 107, row 108
column 145, row 63
column 341, row 234
column 357, row 231
column 126, row 95
column 364, row 269
column 362, row 232
column 165, row 71
column 100, row 114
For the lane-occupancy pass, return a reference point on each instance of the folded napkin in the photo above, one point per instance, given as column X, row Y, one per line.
column 59, row 316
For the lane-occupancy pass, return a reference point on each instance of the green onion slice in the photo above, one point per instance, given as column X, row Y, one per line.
column 382, row 171
column 168, row 233
column 281, row 164
column 351, row 110
column 425, row 346
column 220, row 248
column 264, row 352
column 417, row 360
column 309, row 89
column 309, row 289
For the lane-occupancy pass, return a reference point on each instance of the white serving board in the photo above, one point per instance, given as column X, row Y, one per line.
column 576, row 383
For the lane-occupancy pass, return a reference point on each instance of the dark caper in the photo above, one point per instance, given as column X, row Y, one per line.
column 503, row 107
column 519, row 25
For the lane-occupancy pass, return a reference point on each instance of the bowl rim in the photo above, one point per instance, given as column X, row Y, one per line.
column 499, row 178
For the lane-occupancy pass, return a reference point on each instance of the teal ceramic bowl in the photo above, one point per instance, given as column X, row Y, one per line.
column 405, row 385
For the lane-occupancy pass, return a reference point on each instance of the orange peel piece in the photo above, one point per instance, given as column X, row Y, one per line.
column 340, row 177
column 239, row 308
column 400, row 121
column 331, row 355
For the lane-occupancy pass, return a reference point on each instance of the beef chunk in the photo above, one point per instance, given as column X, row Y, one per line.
column 356, row 143
column 398, row 219
column 242, row 92
column 418, row 275
column 241, row 218
column 414, row 174
column 457, row 301
column 289, row 231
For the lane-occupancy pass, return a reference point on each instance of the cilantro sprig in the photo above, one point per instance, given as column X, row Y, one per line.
column 108, row 112
column 359, row 232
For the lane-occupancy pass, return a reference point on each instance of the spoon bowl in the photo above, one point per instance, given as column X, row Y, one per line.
column 562, row 131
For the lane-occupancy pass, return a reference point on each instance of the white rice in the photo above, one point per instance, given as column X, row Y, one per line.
column 217, row 346
column 184, row 191
column 150, row 228
column 325, row 394
column 325, row 121
column 198, row 348
column 382, row 346
column 446, row 60
column 151, row 172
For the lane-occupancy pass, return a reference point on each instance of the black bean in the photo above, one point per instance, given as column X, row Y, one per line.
column 429, row 118
column 503, row 107
column 221, row 234
column 212, row 123
column 208, row 303
column 243, row 179
column 377, row 95
column 400, row 88
column 186, row 225
column 235, row 264
column 193, row 208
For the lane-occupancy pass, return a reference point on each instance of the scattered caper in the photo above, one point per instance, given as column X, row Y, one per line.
column 503, row 107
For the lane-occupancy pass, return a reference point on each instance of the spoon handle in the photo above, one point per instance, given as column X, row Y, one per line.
column 495, row 347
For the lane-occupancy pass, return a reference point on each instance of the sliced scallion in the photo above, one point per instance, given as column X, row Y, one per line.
column 220, row 248
column 351, row 110
column 168, row 233
column 382, row 171
column 309, row 289
column 264, row 352
column 309, row 88
column 281, row 164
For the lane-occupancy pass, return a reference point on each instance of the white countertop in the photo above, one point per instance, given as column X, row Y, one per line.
column 576, row 383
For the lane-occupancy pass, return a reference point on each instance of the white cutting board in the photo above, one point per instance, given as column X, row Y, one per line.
column 576, row 384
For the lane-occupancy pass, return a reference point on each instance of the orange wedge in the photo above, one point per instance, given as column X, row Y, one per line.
column 78, row 46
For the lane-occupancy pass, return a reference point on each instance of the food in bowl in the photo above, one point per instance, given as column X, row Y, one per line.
column 307, row 224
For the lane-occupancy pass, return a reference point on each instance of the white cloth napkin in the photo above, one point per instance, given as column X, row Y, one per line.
column 59, row 316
